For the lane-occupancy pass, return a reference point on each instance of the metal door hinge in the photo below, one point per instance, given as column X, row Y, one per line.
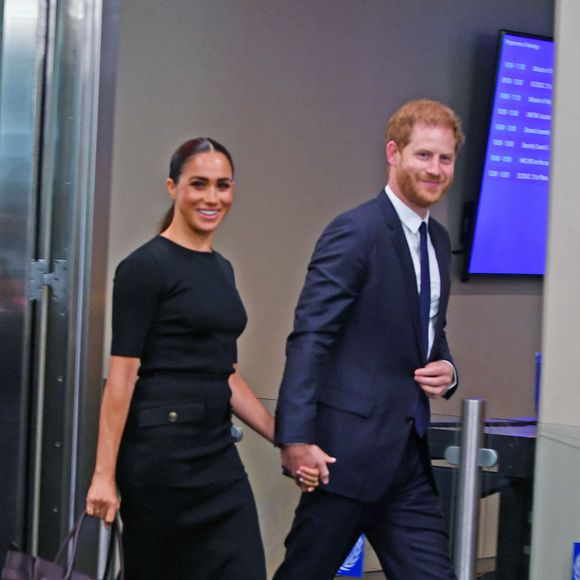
column 41, row 277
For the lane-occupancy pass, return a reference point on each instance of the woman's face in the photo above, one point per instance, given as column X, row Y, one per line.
column 203, row 193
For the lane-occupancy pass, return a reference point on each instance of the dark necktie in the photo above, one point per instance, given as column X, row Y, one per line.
column 422, row 411
column 425, row 292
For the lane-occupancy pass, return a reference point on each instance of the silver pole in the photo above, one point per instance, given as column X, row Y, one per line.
column 469, row 489
column 103, row 549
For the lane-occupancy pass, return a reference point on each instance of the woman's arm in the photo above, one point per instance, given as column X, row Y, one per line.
column 249, row 409
column 102, row 499
column 252, row 412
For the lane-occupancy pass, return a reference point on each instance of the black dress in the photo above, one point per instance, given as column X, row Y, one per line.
column 187, row 508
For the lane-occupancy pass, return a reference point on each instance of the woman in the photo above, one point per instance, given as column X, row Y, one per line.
column 164, row 431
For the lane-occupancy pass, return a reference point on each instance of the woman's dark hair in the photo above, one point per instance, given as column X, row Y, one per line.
column 181, row 156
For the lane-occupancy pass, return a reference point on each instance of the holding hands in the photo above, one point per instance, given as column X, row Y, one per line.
column 307, row 478
column 306, row 463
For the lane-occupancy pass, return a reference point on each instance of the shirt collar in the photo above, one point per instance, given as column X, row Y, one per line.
column 407, row 216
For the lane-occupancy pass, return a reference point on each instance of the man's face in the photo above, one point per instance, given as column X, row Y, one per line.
column 422, row 171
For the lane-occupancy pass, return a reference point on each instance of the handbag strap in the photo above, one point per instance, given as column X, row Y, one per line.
column 74, row 535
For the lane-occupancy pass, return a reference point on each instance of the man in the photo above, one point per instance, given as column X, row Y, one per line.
column 367, row 351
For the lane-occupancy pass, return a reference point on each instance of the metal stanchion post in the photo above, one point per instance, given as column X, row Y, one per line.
column 469, row 489
column 103, row 547
column 471, row 457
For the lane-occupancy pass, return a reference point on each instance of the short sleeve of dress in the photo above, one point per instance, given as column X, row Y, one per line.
column 228, row 271
column 136, row 291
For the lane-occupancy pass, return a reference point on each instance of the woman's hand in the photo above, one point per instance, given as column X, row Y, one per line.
column 307, row 478
column 102, row 499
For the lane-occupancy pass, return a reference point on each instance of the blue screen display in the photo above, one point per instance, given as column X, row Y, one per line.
column 511, row 223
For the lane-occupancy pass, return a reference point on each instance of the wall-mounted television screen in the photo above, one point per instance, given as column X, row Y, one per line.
column 510, row 224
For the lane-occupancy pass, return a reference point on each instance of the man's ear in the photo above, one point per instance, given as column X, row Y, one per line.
column 393, row 154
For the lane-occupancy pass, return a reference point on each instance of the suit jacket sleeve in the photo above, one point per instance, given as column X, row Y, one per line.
column 442, row 245
column 334, row 277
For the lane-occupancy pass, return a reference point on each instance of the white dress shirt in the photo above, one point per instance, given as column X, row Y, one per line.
column 411, row 222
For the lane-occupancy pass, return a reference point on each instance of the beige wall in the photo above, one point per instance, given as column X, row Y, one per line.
column 300, row 93
column 556, row 523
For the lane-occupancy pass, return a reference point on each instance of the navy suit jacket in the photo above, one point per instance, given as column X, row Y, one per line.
column 348, row 381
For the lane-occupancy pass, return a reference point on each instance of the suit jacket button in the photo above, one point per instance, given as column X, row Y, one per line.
column 410, row 420
column 172, row 416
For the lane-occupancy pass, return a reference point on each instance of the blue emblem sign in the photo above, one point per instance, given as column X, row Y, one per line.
column 576, row 562
column 353, row 564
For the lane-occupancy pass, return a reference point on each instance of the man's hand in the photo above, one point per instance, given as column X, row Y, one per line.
column 295, row 457
column 435, row 378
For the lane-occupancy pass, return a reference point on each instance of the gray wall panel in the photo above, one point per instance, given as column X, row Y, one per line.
column 300, row 92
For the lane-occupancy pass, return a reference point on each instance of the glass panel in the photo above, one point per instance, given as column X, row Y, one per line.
column 506, row 492
column 18, row 122
column 445, row 431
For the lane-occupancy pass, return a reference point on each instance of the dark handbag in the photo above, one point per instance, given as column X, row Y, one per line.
column 21, row 566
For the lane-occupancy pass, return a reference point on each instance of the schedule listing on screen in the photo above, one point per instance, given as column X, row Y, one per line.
column 511, row 221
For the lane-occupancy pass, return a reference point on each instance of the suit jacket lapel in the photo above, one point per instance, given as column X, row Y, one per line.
column 444, row 273
column 401, row 247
